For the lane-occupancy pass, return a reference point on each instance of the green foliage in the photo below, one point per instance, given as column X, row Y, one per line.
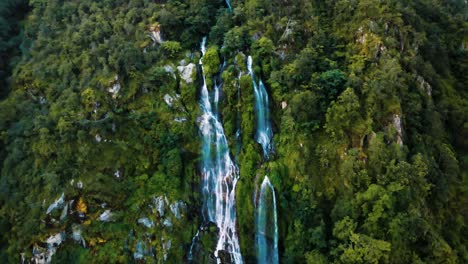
column 344, row 120
column 11, row 38
column 338, row 74
column 211, row 61
column 236, row 39
column 171, row 47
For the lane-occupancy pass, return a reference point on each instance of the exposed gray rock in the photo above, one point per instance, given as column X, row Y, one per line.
column 76, row 235
column 425, row 86
column 57, row 204
column 139, row 253
column 155, row 34
column 361, row 36
column 168, row 99
column 167, row 222
column 166, row 247
column 170, row 69
column 115, row 88
column 42, row 100
column 55, row 240
column 146, row 222
column 399, row 129
column 64, row 214
column 106, row 216
column 186, row 72
column 142, row 250
column 284, row 104
column 41, row 255
column 159, row 205
column 177, row 207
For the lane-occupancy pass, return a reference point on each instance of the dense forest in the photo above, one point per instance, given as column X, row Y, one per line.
column 103, row 152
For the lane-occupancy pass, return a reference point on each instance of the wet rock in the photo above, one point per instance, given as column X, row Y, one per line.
column 142, row 250
column 146, row 222
column 59, row 203
column 106, row 216
column 159, row 205
column 225, row 257
column 168, row 99
column 55, row 240
column 170, row 69
column 167, row 222
column 177, row 208
column 139, row 253
column 41, row 255
column 76, row 235
column 203, row 244
column 166, row 247
column 64, row 214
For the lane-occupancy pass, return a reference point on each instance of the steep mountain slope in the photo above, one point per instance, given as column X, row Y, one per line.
column 103, row 150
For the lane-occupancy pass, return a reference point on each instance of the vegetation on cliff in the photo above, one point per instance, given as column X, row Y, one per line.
column 369, row 106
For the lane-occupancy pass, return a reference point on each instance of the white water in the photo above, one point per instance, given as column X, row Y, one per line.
column 228, row 3
column 219, row 173
column 267, row 227
column 264, row 135
column 266, row 218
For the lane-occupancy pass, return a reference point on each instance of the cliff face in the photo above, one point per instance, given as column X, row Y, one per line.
column 122, row 136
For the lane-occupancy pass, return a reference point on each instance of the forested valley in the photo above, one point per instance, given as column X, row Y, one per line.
column 217, row 131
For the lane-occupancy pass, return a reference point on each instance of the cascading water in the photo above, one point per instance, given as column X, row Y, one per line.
column 264, row 133
column 228, row 3
column 267, row 228
column 267, row 222
column 219, row 174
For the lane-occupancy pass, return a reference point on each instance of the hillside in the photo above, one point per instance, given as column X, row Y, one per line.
column 211, row 131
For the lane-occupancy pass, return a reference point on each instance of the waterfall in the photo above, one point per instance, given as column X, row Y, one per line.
column 267, row 222
column 267, row 227
column 228, row 3
column 264, row 133
column 219, row 173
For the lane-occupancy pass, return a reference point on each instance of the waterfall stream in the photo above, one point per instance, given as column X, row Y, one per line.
column 267, row 228
column 228, row 3
column 264, row 135
column 267, row 222
column 219, row 173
